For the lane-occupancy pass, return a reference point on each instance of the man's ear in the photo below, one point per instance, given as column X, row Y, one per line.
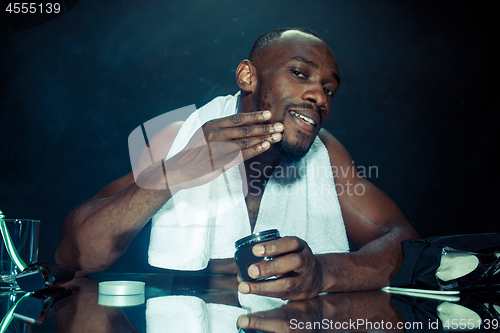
column 246, row 76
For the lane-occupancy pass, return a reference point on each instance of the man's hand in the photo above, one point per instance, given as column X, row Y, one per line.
column 335, row 312
column 285, row 318
column 299, row 273
column 221, row 144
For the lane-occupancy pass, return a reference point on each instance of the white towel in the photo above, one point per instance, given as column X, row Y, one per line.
column 257, row 303
column 190, row 314
column 202, row 223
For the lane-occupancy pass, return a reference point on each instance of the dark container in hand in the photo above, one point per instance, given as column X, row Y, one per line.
column 244, row 256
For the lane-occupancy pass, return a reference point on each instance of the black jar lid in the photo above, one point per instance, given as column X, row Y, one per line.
column 257, row 237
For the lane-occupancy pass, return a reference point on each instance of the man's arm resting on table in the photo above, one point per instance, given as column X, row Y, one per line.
column 97, row 233
column 373, row 222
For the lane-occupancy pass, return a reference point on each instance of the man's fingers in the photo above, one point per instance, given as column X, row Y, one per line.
column 263, row 323
column 251, row 147
column 283, row 265
column 279, row 246
column 255, row 150
column 225, row 154
column 246, row 131
column 241, row 125
column 246, row 143
column 284, row 288
column 240, row 119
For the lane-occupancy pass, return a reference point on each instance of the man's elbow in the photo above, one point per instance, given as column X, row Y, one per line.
column 66, row 256
column 407, row 232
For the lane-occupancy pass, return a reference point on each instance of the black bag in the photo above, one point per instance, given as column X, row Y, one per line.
column 422, row 258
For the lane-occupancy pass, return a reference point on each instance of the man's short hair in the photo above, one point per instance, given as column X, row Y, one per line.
column 271, row 36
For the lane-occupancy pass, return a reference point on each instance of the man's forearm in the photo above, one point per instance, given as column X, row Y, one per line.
column 372, row 267
column 97, row 233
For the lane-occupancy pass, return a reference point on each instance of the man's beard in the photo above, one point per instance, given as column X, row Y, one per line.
column 286, row 152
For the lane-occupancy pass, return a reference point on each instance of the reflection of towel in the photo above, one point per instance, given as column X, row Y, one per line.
column 256, row 303
column 203, row 222
column 190, row 314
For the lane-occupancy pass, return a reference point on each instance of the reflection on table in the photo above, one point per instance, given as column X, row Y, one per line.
column 194, row 302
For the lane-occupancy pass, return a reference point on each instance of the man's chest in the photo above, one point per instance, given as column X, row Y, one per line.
column 253, row 205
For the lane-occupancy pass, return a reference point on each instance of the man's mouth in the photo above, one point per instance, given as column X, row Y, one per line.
column 303, row 118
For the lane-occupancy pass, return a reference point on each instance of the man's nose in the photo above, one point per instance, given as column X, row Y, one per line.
column 316, row 95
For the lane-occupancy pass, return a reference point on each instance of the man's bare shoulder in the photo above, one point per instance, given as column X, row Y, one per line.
column 339, row 156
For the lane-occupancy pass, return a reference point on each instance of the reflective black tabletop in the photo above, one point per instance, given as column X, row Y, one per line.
column 194, row 302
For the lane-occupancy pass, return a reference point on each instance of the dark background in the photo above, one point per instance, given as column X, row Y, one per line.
column 418, row 97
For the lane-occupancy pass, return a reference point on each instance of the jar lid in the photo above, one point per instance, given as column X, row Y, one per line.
column 121, row 287
column 120, row 300
column 257, row 237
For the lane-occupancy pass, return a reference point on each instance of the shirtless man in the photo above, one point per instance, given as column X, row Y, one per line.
column 295, row 69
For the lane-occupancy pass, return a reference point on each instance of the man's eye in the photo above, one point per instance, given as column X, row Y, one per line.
column 298, row 74
column 328, row 92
